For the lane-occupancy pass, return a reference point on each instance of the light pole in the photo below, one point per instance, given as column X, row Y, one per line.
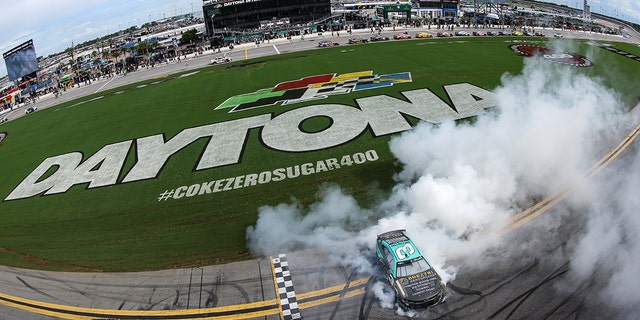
column 213, row 29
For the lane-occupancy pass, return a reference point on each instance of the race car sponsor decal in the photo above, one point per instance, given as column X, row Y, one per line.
column 423, row 283
column 552, row 55
column 394, row 237
column 313, row 88
column 3, row 135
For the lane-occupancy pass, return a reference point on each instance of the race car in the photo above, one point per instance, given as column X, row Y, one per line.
column 31, row 110
column 423, row 35
column 327, row 43
column 358, row 40
column 416, row 283
column 378, row 37
column 217, row 60
column 401, row 36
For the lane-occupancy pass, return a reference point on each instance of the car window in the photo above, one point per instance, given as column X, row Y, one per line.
column 388, row 256
column 412, row 267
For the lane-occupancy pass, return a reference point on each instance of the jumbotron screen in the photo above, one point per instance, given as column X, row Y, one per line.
column 21, row 60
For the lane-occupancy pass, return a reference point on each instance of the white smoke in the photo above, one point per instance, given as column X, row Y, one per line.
column 610, row 245
column 460, row 184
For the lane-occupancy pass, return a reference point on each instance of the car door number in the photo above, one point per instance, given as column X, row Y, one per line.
column 405, row 251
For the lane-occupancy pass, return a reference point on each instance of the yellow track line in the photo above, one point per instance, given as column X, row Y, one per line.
column 69, row 312
column 333, row 289
column 334, row 298
column 542, row 206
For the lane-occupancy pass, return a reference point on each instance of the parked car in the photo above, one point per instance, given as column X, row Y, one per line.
column 423, row 35
column 357, row 40
column 378, row 37
column 217, row 60
column 416, row 284
column 401, row 36
column 327, row 43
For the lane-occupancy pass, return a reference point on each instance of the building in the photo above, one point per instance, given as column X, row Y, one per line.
column 442, row 11
column 225, row 16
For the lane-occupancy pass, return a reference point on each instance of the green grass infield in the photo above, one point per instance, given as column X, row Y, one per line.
column 153, row 176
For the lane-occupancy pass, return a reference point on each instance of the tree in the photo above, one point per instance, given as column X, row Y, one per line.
column 124, row 55
column 155, row 45
column 188, row 36
column 99, row 43
column 143, row 47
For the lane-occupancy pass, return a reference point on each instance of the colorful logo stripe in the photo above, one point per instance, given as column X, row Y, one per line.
column 313, row 88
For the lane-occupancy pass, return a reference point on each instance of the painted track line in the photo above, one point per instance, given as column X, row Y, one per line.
column 544, row 205
column 105, row 84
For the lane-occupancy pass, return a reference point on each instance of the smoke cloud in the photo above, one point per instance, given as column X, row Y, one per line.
column 460, row 183
column 610, row 245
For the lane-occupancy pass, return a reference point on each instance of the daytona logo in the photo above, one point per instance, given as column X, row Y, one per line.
column 313, row 88
column 381, row 115
column 3, row 135
column 548, row 54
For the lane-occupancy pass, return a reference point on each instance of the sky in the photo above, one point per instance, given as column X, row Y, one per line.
column 54, row 25
column 628, row 10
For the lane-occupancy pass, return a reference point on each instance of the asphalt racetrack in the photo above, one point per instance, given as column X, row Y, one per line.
column 525, row 286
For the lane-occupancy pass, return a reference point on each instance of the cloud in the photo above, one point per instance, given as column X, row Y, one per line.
column 54, row 25
column 624, row 9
